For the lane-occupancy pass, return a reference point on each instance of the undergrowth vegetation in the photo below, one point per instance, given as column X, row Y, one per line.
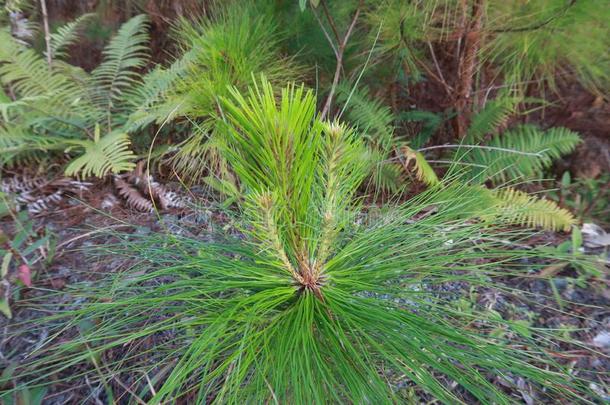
column 371, row 156
column 309, row 307
column 60, row 107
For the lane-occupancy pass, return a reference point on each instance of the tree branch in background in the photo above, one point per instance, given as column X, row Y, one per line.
column 539, row 25
column 339, row 51
column 328, row 38
column 47, row 32
column 331, row 22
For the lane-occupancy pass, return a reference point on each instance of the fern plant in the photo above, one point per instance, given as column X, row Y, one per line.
column 489, row 153
column 375, row 122
column 501, row 155
column 523, row 209
column 109, row 154
column 60, row 107
column 308, row 305
column 66, row 35
column 223, row 50
column 517, row 154
column 521, row 153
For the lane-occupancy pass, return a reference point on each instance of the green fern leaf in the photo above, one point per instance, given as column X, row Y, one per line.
column 386, row 176
column 27, row 72
column 521, row 153
column 148, row 100
column 47, row 93
column 430, row 123
column 373, row 119
column 523, row 209
column 66, row 35
column 487, row 121
column 126, row 52
column 109, row 154
column 18, row 144
column 375, row 122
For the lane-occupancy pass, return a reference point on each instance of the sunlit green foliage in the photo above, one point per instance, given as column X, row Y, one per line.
column 521, row 153
column 314, row 298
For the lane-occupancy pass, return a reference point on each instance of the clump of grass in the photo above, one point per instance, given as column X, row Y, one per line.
column 311, row 304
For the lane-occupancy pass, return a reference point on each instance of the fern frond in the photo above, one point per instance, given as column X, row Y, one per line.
column 126, row 52
column 108, row 154
column 19, row 144
column 48, row 94
column 488, row 121
column 423, row 170
column 534, row 151
column 386, row 176
column 27, row 72
column 523, row 209
column 148, row 99
column 66, row 35
column 373, row 119
column 375, row 122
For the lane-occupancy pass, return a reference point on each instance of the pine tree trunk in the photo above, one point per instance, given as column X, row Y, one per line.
column 467, row 66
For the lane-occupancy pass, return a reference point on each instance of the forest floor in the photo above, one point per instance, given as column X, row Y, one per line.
column 556, row 298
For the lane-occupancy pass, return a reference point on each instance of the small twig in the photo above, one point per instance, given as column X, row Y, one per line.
column 438, row 68
column 450, row 162
column 368, row 59
column 441, row 81
column 328, row 38
column 331, row 20
column 540, row 24
column 47, row 33
column 340, row 53
column 456, row 162
column 150, row 385
column 124, row 386
column 87, row 234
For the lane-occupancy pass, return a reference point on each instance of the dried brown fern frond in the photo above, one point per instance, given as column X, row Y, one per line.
column 39, row 194
column 140, row 190
column 132, row 195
